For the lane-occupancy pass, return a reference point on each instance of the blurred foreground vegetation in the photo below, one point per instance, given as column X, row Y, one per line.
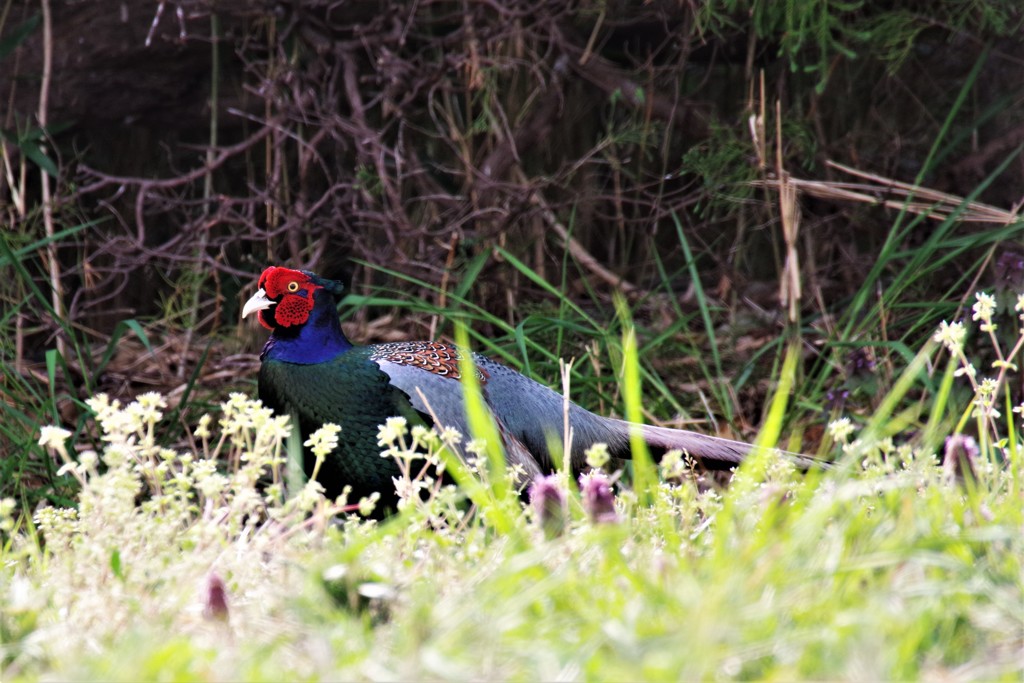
column 889, row 566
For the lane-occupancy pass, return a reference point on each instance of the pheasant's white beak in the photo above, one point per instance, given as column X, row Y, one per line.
column 258, row 302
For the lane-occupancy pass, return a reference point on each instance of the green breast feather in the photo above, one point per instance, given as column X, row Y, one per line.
column 352, row 392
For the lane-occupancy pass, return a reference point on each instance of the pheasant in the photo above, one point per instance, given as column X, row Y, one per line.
column 310, row 369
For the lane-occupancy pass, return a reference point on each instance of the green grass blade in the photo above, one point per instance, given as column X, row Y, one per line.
column 705, row 314
column 911, row 376
column 645, row 477
column 18, row 35
column 496, row 505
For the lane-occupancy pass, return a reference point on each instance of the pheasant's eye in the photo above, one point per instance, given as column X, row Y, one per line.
column 293, row 286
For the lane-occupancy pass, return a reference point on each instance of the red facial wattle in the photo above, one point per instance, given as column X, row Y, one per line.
column 293, row 292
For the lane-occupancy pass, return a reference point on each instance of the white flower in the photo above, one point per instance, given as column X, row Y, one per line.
column 673, row 465
column 142, row 413
column 237, row 401
column 856, row 446
column 274, row 428
column 451, row 436
column 53, row 437
column 983, row 307
column 203, row 429
column 70, row 467
column 208, row 481
column 393, row 429
column 476, row 446
column 967, row 369
column 88, row 459
column 342, row 500
column 151, row 402
column 597, row 455
column 516, row 472
column 905, row 452
column 368, row 503
column 102, row 406
column 7, row 508
column 240, row 413
column 324, row 440
column 424, row 437
column 987, row 387
column 841, row 429
column 309, row 496
column 984, row 407
column 951, row 336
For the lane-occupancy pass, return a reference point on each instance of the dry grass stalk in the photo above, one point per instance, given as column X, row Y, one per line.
column 882, row 191
column 789, row 287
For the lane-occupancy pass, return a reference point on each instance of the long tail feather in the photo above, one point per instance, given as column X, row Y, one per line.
column 712, row 452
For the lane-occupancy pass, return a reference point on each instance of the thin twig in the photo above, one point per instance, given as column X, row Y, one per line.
column 565, row 369
column 204, row 233
column 578, row 251
column 56, row 290
column 223, row 155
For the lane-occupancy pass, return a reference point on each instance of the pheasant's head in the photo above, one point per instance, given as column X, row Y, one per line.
column 286, row 297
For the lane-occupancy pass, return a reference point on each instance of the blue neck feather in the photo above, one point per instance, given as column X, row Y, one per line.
column 317, row 341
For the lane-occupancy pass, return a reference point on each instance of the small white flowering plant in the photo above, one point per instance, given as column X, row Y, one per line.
column 989, row 384
column 182, row 535
column 997, row 432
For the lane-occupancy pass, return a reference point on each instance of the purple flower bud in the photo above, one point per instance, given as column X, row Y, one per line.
column 598, row 498
column 1009, row 270
column 216, row 598
column 835, row 399
column 860, row 361
column 958, row 461
column 548, row 500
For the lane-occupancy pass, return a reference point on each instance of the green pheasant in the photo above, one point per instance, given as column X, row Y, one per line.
column 310, row 370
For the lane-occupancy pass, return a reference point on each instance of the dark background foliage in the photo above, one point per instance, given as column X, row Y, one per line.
column 402, row 145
